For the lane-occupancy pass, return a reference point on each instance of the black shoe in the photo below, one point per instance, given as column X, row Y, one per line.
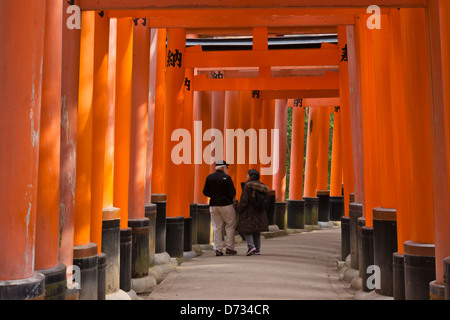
column 250, row 251
column 230, row 251
column 219, row 253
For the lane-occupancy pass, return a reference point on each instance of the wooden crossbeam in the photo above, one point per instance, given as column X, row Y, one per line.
column 241, row 4
column 329, row 81
column 298, row 94
column 248, row 58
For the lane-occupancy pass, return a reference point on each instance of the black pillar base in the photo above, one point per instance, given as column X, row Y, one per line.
column 447, row 278
column 203, row 224
column 55, row 282
column 311, row 210
column 361, row 222
column 160, row 229
column 324, row 205
column 187, row 240
column 271, row 210
column 111, row 247
column 367, row 256
column 281, row 215
column 419, row 270
column 295, row 214
column 336, row 208
column 345, row 237
column 384, row 246
column 175, row 236
column 86, row 258
column 125, row 259
column 150, row 214
column 101, row 276
column 140, row 260
column 32, row 288
column 193, row 215
column 355, row 212
column 398, row 270
column 437, row 291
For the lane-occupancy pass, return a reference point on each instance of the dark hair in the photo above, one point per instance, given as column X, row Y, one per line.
column 253, row 174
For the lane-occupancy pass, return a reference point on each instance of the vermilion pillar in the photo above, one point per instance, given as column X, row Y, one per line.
column 99, row 125
column 69, row 106
column 311, row 168
column 336, row 157
column 243, row 144
column 312, row 153
column 158, row 137
column 22, row 49
column 202, row 124
column 217, row 122
column 173, row 119
column 108, row 179
column 267, row 124
column 345, row 118
column 139, row 119
column 295, row 204
column 123, row 117
column 297, row 154
column 84, row 249
column 369, row 120
column 279, row 176
column 231, row 123
column 324, row 142
column 256, row 125
column 419, row 250
column 438, row 26
column 188, row 123
column 47, row 218
column 84, row 144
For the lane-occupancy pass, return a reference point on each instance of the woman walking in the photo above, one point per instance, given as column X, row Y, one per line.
column 252, row 218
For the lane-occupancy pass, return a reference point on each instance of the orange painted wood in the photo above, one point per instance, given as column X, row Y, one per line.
column 297, row 154
column 369, row 120
column 279, row 176
column 312, row 154
column 257, row 108
column 139, row 119
column 69, row 106
column 268, row 123
column 202, row 170
column 402, row 152
column 173, row 120
column 324, row 142
column 99, row 125
column 123, row 118
column 385, row 143
column 20, row 94
column 294, row 94
column 438, row 26
column 108, row 177
column 354, row 72
column 256, row 58
column 82, row 224
column 188, row 179
column 415, row 62
column 329, row 81
column 346, row 120
column 243, row 162
column 158, row 136
column 231, row 122
column 216, row 4
column 336, row 158
column 47, row 216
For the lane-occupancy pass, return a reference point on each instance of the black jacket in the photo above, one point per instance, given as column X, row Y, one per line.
column 220, row 189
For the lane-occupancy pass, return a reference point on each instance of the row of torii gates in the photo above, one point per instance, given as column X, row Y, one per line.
column 88, row 116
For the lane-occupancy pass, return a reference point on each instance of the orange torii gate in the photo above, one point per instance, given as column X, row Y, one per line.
column 421, row 139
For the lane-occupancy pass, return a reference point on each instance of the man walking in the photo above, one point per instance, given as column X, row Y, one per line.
column 220, row 189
